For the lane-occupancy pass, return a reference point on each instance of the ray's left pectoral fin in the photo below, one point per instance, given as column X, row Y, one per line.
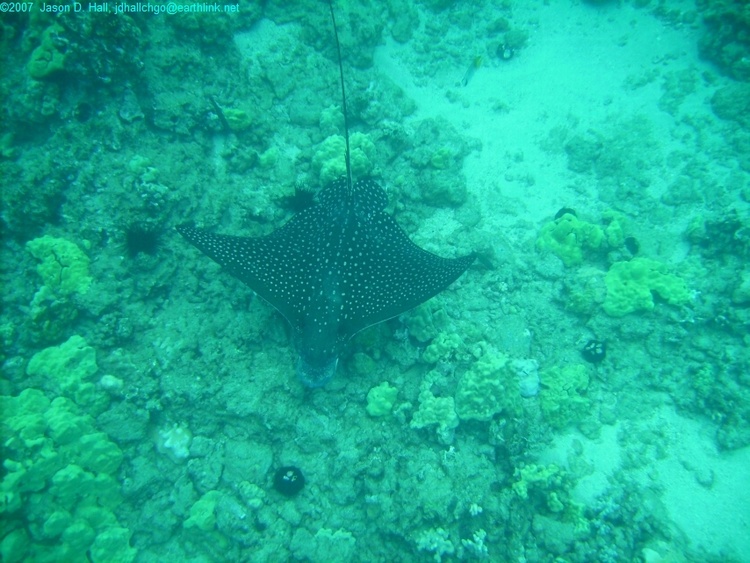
column 226, row 251
column 242, row 258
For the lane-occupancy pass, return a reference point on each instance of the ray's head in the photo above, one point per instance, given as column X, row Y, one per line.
column 313, row 374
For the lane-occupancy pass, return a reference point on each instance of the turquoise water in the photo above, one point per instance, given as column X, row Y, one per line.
column 580, row 393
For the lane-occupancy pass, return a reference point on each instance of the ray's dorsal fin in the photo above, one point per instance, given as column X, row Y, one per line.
column 343, row 100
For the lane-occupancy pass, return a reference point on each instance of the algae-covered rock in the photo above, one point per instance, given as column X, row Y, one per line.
column 548, row 488
column 732, row 102
column 726, row 36
column 543, row 477
column 47, row 58
column 202, row 513
column 631, row 285
column 238, row 119
column 438, row 154
column 563, row 396
column 583, row 153
column 584, row 290
column 442, row 159
column 64, row 267
column 741, row 293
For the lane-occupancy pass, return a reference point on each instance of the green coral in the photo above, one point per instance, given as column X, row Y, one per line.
column 536, row 476
column 63, row 266
column 59, row 489
column 442, row 347
column 237, row 119
column 442, row 159
column 329, row 161
column 331, row 120
column 47, row 59
column 630, row 287
column 67, row 369
column 435, row 411
column 142, row 169
column 425, row 321
column 380, row 399
column 489, row 387
column 614, row 231
column 202, row 513
column 570, row 239
column 563, row 396
column 113, row 544
column 548, row 487
column 269, row 158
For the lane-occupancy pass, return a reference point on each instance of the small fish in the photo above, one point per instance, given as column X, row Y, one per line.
column 475, row 64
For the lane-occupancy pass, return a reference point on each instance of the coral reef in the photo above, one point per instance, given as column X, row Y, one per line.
column 569, row 238
column 380, row 399
column 202, row 513
column 174, row 442
column 573, row 240
column 435, row 411
column 630, row 287
column 490, row 386
column 329, row 164
column 436, row 541
column 48, row 58
column 726, row 36
column 443, row 347
column 67, row 370
column 337, row 546
column 478, row 407
column 63, row 266
column 60, row 489
column 732, row 102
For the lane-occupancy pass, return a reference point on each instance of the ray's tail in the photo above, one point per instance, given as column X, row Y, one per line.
column 343, row 100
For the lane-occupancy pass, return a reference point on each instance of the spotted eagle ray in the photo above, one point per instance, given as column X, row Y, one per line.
column 335, row 268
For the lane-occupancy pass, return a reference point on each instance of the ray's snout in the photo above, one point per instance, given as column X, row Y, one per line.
column 315, row 374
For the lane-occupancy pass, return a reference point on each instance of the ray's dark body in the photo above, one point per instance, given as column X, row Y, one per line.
column 337, row 267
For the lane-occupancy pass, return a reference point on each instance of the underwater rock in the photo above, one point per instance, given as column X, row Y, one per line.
column 732, row 103
column 174, row 442
column 725, row 39
column 130, row 109
column 527, row 371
